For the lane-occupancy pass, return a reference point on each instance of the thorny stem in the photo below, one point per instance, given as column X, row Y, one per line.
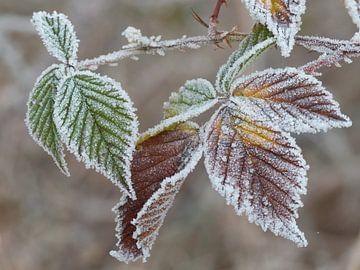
column 161, row 46
column 213, row 37
column 217, row 9
column 214, row 18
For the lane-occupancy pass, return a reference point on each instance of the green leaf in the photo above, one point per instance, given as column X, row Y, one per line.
column 58, row 35
column 97, row 122
column 195, row 97
column 249, row 49
column 39, row 117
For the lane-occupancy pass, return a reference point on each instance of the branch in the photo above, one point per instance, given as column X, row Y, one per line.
column 153, row 47
column 214, row 18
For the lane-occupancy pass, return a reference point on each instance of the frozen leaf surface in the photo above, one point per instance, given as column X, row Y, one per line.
column 58, row 35
column 97, row 122
column 194, row 98
column 160, row 166
column 258, row 169
column 252, row 46
column 289, row 99
column 353, row 7
column 283, row 18
column 39, row 117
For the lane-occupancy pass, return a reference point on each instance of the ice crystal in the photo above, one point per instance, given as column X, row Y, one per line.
column 58, row 35
column 160, row 166
column 97, row 122
column 283, row 18
column 135, row 38
column 39, row 117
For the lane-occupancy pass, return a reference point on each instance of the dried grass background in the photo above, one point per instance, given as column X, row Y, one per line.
column 49, row 222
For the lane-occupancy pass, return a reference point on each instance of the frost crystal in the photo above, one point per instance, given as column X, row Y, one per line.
column 283, row 18
column 160, row 166
column 96, row 120
column 353, row 7
column 258, row 169
column 135, row 39
column 39, row 117
column 289, row 99
column 58, row 35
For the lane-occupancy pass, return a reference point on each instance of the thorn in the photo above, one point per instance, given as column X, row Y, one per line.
column 198, row 18
column 227, row 41
column 218, row 45
column 226, row 3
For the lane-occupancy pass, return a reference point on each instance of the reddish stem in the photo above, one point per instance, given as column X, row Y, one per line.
column 214, row 17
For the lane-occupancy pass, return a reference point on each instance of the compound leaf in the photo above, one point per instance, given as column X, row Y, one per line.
column 97, row 123
column 282, row 17
column 58, row 35
column 160, row 166
column 258, row 169
column 290, row 99
column 39, row 116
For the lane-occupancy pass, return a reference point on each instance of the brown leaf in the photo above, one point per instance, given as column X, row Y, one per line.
column 290, row 99
column 258, row 169
column 160, row 166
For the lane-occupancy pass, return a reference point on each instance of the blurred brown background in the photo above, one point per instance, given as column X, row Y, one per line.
column 49, row 222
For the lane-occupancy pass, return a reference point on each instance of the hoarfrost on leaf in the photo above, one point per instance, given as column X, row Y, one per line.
column 282, row 17
column 290, row 99
column 39, row 116
column 195, row 97
column 353, row 7
column 160, row 166
column 58, row 35
column 258, row 169
column 251, row 47
column 97, row 123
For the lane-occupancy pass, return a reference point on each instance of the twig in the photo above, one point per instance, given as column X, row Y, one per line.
column 159, row 48
column 214, row 18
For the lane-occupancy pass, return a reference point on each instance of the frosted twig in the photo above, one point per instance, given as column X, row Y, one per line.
column 159, row 48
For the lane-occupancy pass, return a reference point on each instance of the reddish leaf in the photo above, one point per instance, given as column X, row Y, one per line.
column 258, row 169
column 289, row 99
column 160, row 165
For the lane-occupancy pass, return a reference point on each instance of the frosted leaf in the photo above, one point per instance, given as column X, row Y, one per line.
column 282, row 17
column 289, row 99
column 194, row 98
column 258, row 169
column 252, row 46
column 58, row 35
column 97, row 123
column 161, row 164
column 39, row 116
column 353, row 7
column 329, row 46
